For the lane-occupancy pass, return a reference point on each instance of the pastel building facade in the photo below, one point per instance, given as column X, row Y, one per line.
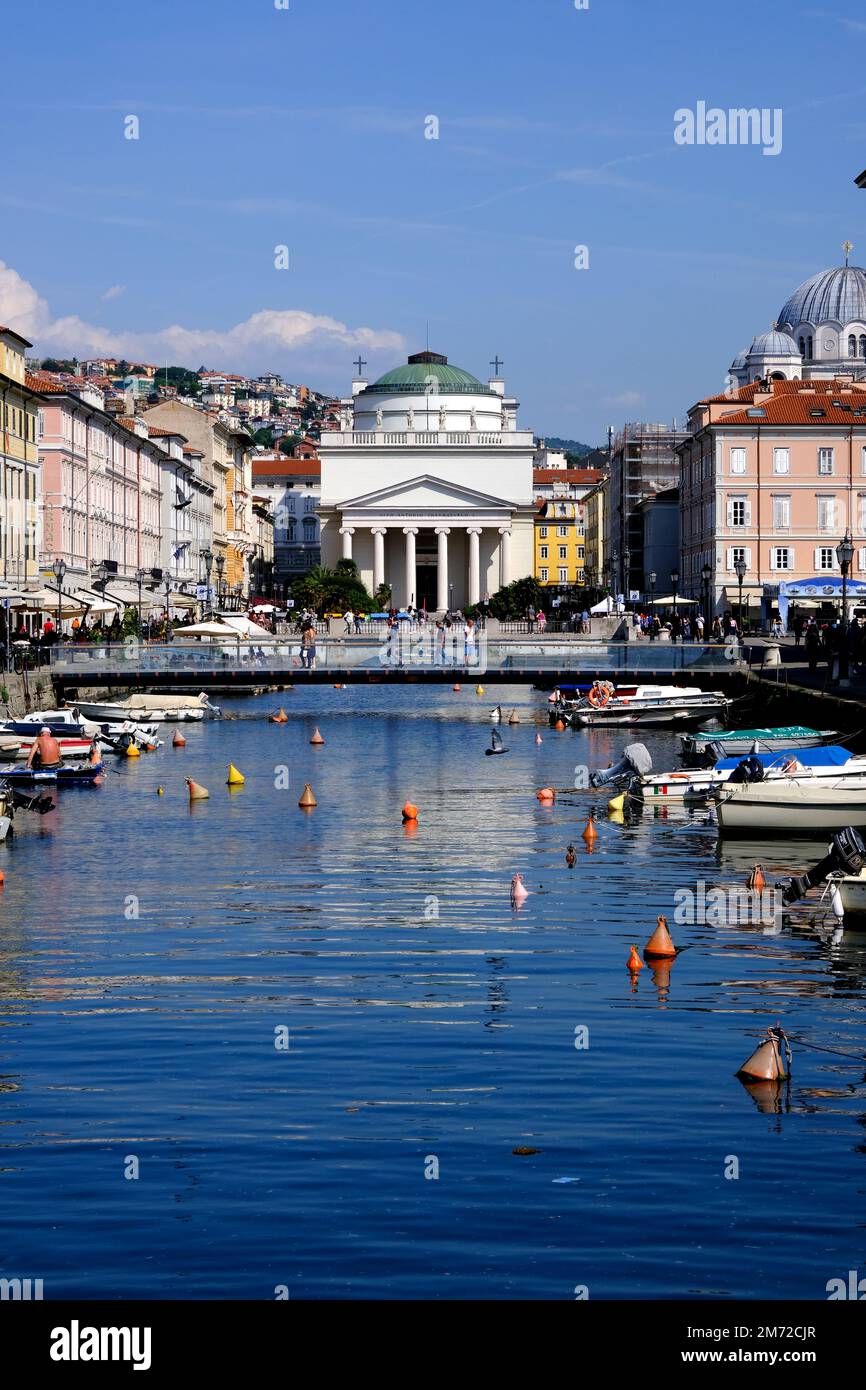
column 773, row 474
column 19, row 463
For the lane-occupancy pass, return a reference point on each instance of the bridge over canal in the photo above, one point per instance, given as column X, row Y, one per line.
column 408, row 661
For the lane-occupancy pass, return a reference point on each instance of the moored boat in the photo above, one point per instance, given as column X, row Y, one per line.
column 143, row 707
column 791, row 806
column 698, row 784
column 607, row 706
column 704, row 747
column 77, row 774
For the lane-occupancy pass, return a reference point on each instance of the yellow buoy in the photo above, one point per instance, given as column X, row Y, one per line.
column 133, row 752
column 159, row 791
column 235, row 778
column 617, row 803
column 479, row 690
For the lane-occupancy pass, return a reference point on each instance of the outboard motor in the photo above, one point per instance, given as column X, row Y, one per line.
column 847, row 855
column 751, row 769
column 635, row 762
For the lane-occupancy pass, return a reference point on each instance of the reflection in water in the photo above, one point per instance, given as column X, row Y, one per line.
column 423, row 1015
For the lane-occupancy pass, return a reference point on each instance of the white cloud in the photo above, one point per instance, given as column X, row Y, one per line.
column 624, row 398
column 113, row 292
column 250, row 344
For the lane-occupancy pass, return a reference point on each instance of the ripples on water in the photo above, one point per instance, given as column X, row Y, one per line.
column 411, row 1035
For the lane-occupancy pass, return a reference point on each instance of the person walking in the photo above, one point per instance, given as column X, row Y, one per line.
column 308, row 646
column 813, row 647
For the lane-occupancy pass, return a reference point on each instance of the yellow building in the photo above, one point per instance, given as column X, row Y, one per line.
column 19, row 463
column 559, row 543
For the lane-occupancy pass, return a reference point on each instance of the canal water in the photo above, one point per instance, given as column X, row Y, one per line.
column 319, row 1037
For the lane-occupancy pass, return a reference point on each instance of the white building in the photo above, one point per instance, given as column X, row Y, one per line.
column 820, row 332
column 428, row 485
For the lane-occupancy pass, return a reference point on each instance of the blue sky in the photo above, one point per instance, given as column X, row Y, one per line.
column 262, row 127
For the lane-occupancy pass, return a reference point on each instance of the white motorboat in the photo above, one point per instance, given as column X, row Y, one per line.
column 682, row 785
column 155, row 708
column 799, row 806
column 70, row 723
column 852, row 896
column 607, row 706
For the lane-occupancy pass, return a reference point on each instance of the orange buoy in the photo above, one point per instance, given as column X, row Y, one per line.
column 455, row 687
column 756, row 880
column 150, row 748
column 196, row 791
column 338, row 687
column 765, row 1063
column 546, row 795
column 410, row 811
column 538, row 738
column 2, row 878
column 307, row 799
column 178, row 741
column 589, row 831
column 660, row 943
column 280, row 717
column 317, row 737
column 634, row 961
column 559, row 724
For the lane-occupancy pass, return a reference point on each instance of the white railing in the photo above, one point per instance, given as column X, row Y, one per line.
column 485, row 439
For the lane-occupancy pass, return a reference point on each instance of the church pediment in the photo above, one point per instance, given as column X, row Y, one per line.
column 425, row 493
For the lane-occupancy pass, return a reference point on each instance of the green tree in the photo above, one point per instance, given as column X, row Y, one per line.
column 513, row 601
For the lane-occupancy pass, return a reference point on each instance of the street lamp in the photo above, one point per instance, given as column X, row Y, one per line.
column 740, row 572
column 207, row 561
column 652, row 583
column 220, row 566
column 140, row 576
column 844, row 554
column 59, row 568
column 706, row 576
column 167, row 602
column 675, row 579
column 626, row 571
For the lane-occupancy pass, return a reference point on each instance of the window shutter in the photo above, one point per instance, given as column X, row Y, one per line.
column 862, row 560
column 817, row 557
column 772, row 557
column 730, row 512
column 748, row 513
column 730, row 560
column 792, row 559
column 748, row 558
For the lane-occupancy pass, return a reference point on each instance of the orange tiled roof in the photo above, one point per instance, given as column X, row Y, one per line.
column 797, row 403
column 567, row 475
column 273, row 467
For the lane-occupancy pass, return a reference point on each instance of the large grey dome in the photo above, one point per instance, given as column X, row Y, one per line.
column 837, row 295
column 774, row 344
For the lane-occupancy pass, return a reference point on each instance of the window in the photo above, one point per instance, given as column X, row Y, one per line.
column 781, row 513
column 826, row 514
column 737, row 552
column 781, row 461
column 852, row 345
column 542, row 553
column 781, row 557
column 543, row 574
column 737, row 511
column 862, row 352
column 543, row 529
column 580, row 552
column 809, row 348
column 563, row 576
column 802, row 347
column 563, row 552
column 825, row 557
column 825, row 462
column 562, row 530
column 738, row 460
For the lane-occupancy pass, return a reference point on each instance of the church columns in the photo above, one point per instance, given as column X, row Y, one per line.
column 410, row 532
column 473, row 532
column 504, row 556
column 443, row 533
column 347, row 532
column 379, row 533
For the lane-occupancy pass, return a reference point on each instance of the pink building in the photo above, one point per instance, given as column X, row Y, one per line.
column 772, row 474
column 101, row 483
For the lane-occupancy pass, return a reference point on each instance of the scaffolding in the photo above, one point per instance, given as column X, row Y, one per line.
column 644, row 462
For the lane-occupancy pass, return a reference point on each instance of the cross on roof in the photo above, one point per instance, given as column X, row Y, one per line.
column 496, row 363
column 360, row 364
column 847, row 247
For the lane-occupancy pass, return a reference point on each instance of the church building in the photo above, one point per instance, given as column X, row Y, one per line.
column 428, row 485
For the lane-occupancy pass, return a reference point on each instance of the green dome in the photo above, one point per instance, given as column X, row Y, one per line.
column 419, row 373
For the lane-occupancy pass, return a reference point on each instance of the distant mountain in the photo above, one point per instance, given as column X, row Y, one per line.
column 569, row 446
